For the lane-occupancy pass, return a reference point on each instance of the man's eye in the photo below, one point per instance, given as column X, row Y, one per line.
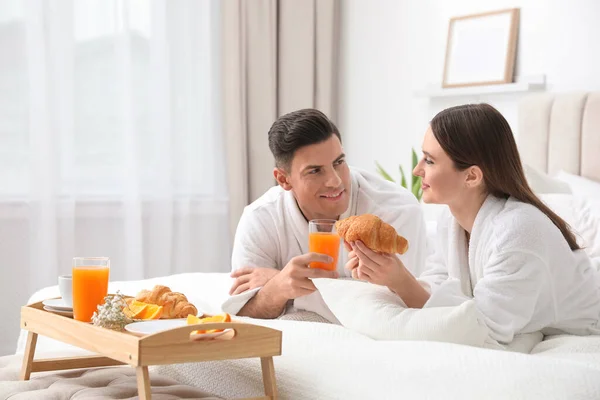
column 340, row 162
column 314, row 171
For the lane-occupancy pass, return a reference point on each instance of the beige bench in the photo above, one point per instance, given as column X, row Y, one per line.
column 95, row 383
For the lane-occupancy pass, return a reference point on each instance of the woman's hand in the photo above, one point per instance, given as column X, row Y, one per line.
column 387, row 270
column 352, row 262
column 379, row 268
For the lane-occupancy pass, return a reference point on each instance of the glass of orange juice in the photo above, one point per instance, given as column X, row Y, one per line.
column 90, row 285
column 322, row 238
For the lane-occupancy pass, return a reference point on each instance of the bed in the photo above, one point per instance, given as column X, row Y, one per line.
column 558, row 134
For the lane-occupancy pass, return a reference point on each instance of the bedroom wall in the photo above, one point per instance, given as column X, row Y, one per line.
column 390, row 49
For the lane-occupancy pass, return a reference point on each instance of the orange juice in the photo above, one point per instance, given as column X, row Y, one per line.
column 90, row 286
column 324, row 243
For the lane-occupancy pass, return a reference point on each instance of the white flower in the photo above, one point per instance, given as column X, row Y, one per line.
column 110, row 314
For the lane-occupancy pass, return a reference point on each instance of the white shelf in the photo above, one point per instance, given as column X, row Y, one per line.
column 522, row 84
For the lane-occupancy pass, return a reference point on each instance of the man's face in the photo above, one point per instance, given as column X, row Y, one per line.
column 319, row 178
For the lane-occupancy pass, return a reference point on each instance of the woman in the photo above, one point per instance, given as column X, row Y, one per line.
column 499, row 245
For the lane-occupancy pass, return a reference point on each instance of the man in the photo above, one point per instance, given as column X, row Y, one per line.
column 270, row 252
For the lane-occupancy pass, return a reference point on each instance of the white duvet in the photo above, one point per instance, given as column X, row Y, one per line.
column 324, row 361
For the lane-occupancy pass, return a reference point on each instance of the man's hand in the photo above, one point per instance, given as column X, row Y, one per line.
column 294, row 280
column 248, row 278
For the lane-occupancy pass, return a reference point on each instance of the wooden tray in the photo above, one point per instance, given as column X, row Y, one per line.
column 172, row 346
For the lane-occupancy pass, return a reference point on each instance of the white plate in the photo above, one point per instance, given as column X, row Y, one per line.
column 57, row 304
column 64, row 313
column 143, row 328
column 149, row 327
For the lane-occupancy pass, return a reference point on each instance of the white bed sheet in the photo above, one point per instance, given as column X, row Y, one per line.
column 324, row 361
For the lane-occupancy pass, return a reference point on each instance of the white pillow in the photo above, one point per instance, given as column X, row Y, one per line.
column 580, row 186
column 375, row 311
column 543, row 183
column 314, row 303
column 583, row 215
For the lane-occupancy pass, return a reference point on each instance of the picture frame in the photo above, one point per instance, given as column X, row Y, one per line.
column 481, row 49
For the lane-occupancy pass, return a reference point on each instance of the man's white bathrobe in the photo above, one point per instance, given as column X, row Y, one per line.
column 272, row 230
column 519, row 271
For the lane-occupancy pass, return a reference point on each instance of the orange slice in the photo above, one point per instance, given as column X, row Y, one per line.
column 152, row 311
column 216, row 318
column 134, row 309
column 192, row 319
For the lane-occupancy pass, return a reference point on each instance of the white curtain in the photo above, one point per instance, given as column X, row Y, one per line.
column 110, row 142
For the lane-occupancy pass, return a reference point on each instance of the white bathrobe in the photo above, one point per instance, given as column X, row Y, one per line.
column 272, row 230
column 519, row 271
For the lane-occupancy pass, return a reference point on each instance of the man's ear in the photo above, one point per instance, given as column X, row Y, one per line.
column 474, row 177
column 282, row 178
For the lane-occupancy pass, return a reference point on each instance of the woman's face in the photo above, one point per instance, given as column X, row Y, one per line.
column 442, row 182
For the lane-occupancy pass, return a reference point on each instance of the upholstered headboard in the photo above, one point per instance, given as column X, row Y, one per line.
column 561, row 131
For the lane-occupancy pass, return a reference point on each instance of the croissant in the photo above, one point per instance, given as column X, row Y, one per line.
column 373, row 232
column 175, row 305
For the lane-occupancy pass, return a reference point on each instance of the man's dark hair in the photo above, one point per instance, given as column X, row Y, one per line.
column 297, row 129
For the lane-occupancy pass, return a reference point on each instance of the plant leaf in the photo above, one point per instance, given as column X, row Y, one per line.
column 416, row 188
column 415, row 161
column 383, row 173
column 403, row 177
column 415, row 158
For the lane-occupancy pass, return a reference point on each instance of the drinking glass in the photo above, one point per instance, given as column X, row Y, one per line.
column 323, row 238
column 90, row 285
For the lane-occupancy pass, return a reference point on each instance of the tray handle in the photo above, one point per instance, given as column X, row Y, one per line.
column 183, row 334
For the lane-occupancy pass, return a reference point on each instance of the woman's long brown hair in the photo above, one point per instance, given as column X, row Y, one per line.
column 477, row 134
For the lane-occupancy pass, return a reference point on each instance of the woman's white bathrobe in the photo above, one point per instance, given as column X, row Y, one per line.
column 272, row 230
column 519, row 271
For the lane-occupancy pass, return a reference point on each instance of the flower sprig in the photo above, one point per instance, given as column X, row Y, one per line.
column 110, row 315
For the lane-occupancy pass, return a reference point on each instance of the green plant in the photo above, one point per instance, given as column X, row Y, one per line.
column 415, row 181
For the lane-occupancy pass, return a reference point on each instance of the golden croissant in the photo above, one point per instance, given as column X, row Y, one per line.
column 175, row 305
column 373, row 232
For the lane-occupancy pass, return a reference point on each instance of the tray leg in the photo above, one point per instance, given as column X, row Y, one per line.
column 28, row 356
column 268, row 373
column 143, row 383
